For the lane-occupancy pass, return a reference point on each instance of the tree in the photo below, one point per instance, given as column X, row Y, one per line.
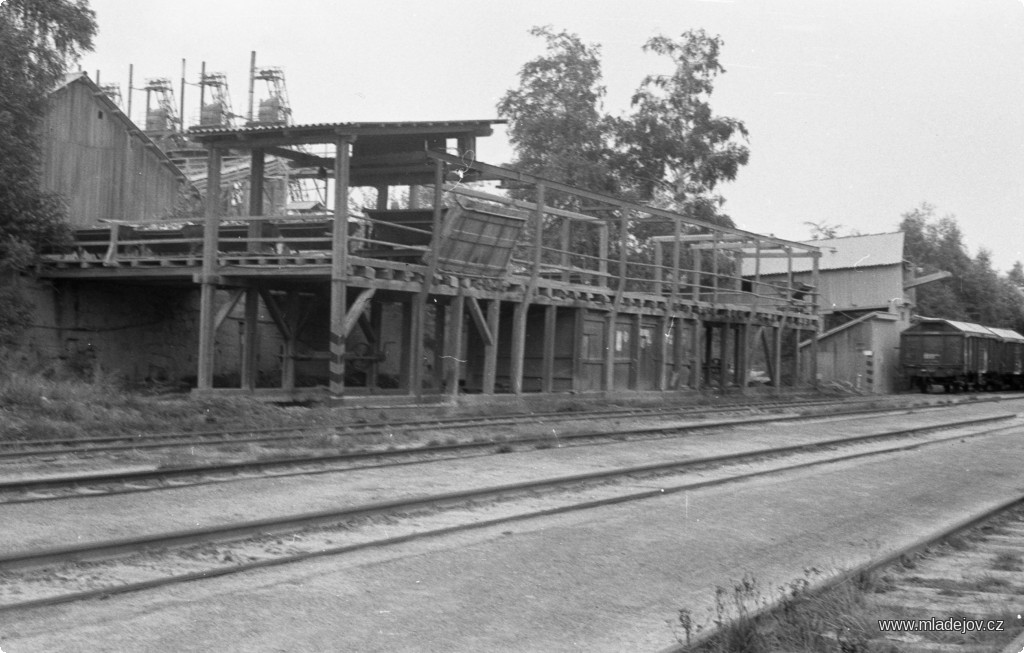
column 555, row 117
column 975, row 292
column 672, row 146
column 670, row 150
column 38, row 40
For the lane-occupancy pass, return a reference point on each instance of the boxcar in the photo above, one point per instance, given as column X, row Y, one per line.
column 956, row 355
column 1008, row 371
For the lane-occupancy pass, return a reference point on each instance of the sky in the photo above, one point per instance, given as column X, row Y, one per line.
column 858, row 110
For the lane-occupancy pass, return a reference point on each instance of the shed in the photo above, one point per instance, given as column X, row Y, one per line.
column 100, row 161
column 856, row 273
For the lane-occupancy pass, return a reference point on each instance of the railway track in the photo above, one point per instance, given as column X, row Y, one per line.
column 52, row 487
column 957, row 590
column 288, row 435
column 35, row 578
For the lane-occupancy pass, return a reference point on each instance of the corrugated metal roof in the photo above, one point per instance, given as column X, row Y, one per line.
column 1007, row 334
column 838, row 254
column 965, row 327
column 344, row 127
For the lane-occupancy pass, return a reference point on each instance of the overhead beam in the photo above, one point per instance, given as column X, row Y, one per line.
column 525, row 177
column 928, row 278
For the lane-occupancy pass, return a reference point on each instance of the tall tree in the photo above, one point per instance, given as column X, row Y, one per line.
column 673, row 147
column 975, row 292
column 670, row 150
column 38, row 41
column 556, row 119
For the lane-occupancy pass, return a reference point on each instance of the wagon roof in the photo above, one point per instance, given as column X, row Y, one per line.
column 965, row 327
column 1007, row 334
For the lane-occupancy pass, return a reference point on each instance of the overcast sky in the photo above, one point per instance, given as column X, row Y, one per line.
column 859, row 110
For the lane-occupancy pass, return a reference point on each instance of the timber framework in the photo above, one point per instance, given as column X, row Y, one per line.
column 445, row 285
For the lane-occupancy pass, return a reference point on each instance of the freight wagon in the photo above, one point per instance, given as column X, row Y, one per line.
column 960, row 356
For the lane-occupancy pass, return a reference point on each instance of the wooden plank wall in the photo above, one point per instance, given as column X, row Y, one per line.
column 102, row 170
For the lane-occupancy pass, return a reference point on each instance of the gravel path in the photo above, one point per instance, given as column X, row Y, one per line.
column 602, row 580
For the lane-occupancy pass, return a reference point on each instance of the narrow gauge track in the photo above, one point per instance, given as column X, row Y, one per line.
column 52, row 487
column 971, row 572
column 49, row 577
column 17, row 449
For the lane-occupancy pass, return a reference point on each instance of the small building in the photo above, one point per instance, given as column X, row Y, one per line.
column 862, row 286
column 104, row 166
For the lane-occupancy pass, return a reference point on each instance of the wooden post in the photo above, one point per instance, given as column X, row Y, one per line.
column 724, row 356
column 658, row 272
column 441, row 345
column 714, row 271
column 698, row 259
column 664, row 327
column 602, row 247
column 255, row 230
column 250, row 337
column 208, row 278
column 419, row 305
column 777, row 379
column 609, row 352
column 696, row 347
column 518, row 346
column 409, row 363
column 635, row 352
column 566, row 238
column 519, row 315
column 815, row 298
column 548, row 362
column 491, row 350
column 376, row 326
column 623, row 244
column 339, row 266
column 453, row 353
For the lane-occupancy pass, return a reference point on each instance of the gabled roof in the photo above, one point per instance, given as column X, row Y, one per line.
column 964, row 327
column 1007, row 334
column 114, row 110
column 838, row 254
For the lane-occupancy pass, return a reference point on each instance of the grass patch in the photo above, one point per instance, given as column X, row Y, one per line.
column 1007, row 561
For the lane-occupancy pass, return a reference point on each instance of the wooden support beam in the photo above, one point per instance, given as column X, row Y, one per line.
column 548, row 361
column 697, row 347
column 256, row 172
column 356, row 311
column 725, row 337
column 479, row 320
column 664, row 328
column 453, row 353
column 523, row 177
column 518, row 347
column 491, row 347
column 609, row 351
column 339, row 266
column 777, row 378
column 658, row 269
column 250, row 339
column 207, row 332
column 225, row 310
column 409, row 378
column 277, row 314
column 815, row 310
